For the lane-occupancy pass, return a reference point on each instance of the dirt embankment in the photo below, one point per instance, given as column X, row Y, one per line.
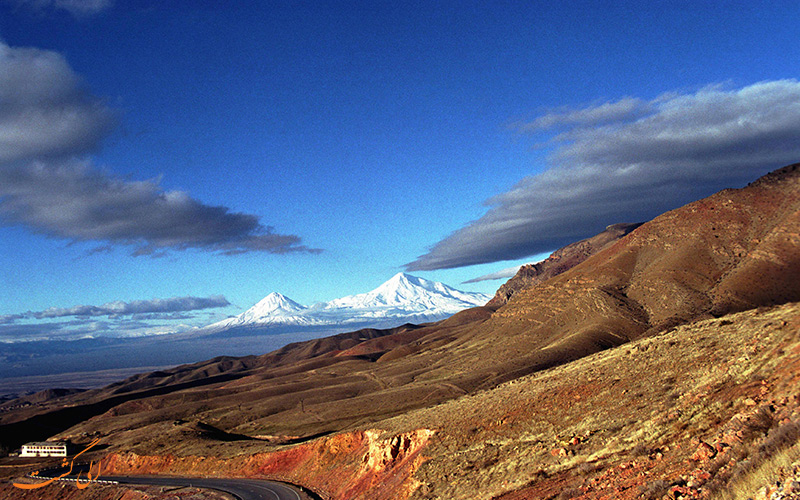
column 361, row 464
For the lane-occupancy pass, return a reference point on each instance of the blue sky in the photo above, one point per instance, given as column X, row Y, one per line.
column 204, row 155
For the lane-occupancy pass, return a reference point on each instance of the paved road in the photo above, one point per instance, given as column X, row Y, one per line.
column 244, row 489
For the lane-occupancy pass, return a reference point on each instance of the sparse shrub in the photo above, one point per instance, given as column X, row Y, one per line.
column 749, row 459
column 570, row 493
column 585, row 469
column 762, row 420
column 754, row 474
column 779, row 438
column 719, row 462
column 537, row 476
column 740, row 453
column 640, row 450
column 719, row 483
column 742, row 468
column 654, row 490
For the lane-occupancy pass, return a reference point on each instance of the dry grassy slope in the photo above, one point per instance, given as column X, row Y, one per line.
column 308, row 398
column 286, row 356
column 618, row 424
column 621, row 406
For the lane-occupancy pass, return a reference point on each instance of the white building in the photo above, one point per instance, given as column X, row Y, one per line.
column 44, row 449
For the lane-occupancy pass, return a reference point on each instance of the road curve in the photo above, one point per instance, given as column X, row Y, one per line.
column 244, row 489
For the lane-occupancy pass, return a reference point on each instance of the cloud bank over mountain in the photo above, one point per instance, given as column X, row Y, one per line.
column 121, row 318
column 120, row 308
column 629, row 160
column 49, row 122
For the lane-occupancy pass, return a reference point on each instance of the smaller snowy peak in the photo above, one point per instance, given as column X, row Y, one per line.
column 274, row 308
column 274, row 304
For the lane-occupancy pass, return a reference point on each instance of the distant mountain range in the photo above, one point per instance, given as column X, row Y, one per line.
column 401, row 299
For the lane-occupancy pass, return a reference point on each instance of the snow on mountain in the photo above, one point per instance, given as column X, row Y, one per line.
column 275, row 308
column 411, row 294
column 402, row 299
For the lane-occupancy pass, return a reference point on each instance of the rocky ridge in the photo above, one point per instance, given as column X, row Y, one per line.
column 559, row 261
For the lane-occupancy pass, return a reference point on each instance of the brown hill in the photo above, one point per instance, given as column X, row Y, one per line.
column 559, row 261
column 736, row 250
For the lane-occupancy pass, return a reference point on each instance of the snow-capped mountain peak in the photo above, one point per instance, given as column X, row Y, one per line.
column 401, row 299
column 402, row 287
column 412, row 293
column 275, row 308
column 275, row 303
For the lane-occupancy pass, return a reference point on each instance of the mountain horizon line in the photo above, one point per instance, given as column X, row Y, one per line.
column 402, row 297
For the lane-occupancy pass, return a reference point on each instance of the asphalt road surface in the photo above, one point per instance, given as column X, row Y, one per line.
column 244, row 489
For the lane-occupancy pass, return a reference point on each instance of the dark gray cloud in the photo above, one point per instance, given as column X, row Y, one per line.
column 137, row 307
column 7, row 319
column 26, row 332
column 71, row 200
column 46, row 110
column 630, row 160
column 48, row 122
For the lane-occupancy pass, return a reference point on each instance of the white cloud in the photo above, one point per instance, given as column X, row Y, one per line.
column 625, row 108
column 629, row 161
column 78, row 8
column 121, row 319
column 137, row 307
column 499, row 275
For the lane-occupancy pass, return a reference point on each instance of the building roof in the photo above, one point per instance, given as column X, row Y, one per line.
column 46, row 443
